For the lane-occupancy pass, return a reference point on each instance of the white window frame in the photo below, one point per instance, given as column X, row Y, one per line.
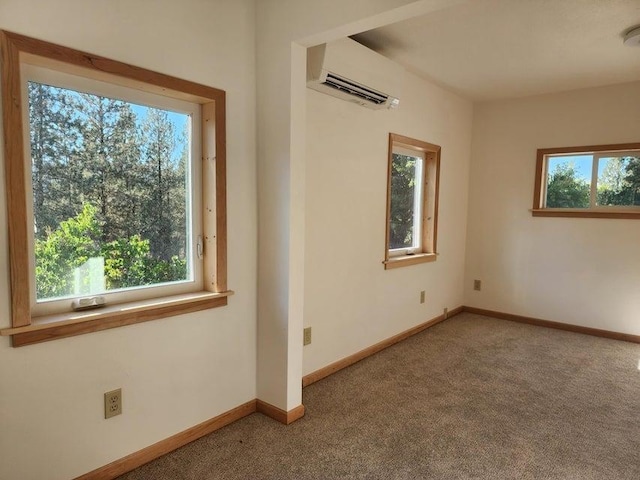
column 418, row 202
column 33, row 73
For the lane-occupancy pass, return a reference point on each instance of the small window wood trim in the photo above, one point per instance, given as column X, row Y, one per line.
column 17, row 48
column 539, row 192
column 431, row 188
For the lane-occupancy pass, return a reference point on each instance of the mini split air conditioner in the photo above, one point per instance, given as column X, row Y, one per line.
column 352, row 72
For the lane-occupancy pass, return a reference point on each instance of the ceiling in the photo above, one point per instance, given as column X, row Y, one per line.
column 493, row 49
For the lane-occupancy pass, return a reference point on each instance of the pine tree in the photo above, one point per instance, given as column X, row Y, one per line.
column 106, row 184
column 53, row 139
column 403, row 183
column 163, row 178
column 102, row 128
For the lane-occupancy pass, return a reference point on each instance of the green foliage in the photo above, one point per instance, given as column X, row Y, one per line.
column 619, row 183
column 403, row 184
column 565, row 189
column 63, row 250
column 127, row 262
column 162, row 271
column 633, row 179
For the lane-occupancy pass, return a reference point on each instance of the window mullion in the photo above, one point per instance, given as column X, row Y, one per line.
column 593, row 196
column 417, row 203
column 543, row 186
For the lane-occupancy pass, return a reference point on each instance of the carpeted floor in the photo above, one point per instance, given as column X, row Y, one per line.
column 471, row 398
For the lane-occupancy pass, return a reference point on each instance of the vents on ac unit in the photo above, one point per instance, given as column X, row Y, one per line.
column 352, row 72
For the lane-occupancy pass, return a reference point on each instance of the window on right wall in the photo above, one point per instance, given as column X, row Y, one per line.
column 412, row 201
column 600, row 181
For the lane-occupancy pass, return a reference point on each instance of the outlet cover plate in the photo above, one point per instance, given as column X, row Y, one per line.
column 113, row 403
column 306, row 340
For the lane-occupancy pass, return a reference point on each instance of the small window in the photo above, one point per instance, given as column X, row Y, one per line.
column 116, row 192
column 412, row 201
column 598, row 181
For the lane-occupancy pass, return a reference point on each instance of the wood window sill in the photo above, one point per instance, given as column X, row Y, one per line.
column 52, row 327
column 406, row 260
column 544, row 212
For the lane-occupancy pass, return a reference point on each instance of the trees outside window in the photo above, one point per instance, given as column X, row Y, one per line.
column 110, row 202
column 116, row 182
column 412, row 201
column 596, row 181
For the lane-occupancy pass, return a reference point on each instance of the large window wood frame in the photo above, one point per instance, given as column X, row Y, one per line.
column 429, row 185
column 27, row 329
column 540, row 207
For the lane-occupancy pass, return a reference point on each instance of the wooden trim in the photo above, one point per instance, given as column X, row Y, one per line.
column 538, row 209
column 538, row 184
column 557, row 325
column 413, row 143
column 53, row 327
column 616, row 147
column 278, row 414
column 388, row 213
column 544, row 212
column 96, row 63
column 16, row 189
column 221, row 195
column 406, row 260
column 367, row 352
column 146, row 455
column 17, row 49
column 433, row 179
column 295, row 414
column 430, row 190
column 209, row 203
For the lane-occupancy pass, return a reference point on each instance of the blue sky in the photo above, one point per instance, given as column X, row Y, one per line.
column 582, row 164
column 179, row 121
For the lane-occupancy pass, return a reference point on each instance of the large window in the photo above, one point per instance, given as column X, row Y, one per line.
column 597, row 181
column 412, row 201
column 112, row 191
column 115, row 190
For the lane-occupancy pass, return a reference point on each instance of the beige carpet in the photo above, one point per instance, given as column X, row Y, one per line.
column 471, row 398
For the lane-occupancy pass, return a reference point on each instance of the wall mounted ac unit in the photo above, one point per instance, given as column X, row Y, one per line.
column 352, row 72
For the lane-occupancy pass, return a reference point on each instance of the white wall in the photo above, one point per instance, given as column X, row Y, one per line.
column 351, row 301
column 180, row 371
column 284, row 28
column 174, row 372
column 573, row 270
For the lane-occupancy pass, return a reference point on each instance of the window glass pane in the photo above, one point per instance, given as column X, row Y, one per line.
column 110, row 196
column 569, row 181
column 619, row 181
column 405, row 205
